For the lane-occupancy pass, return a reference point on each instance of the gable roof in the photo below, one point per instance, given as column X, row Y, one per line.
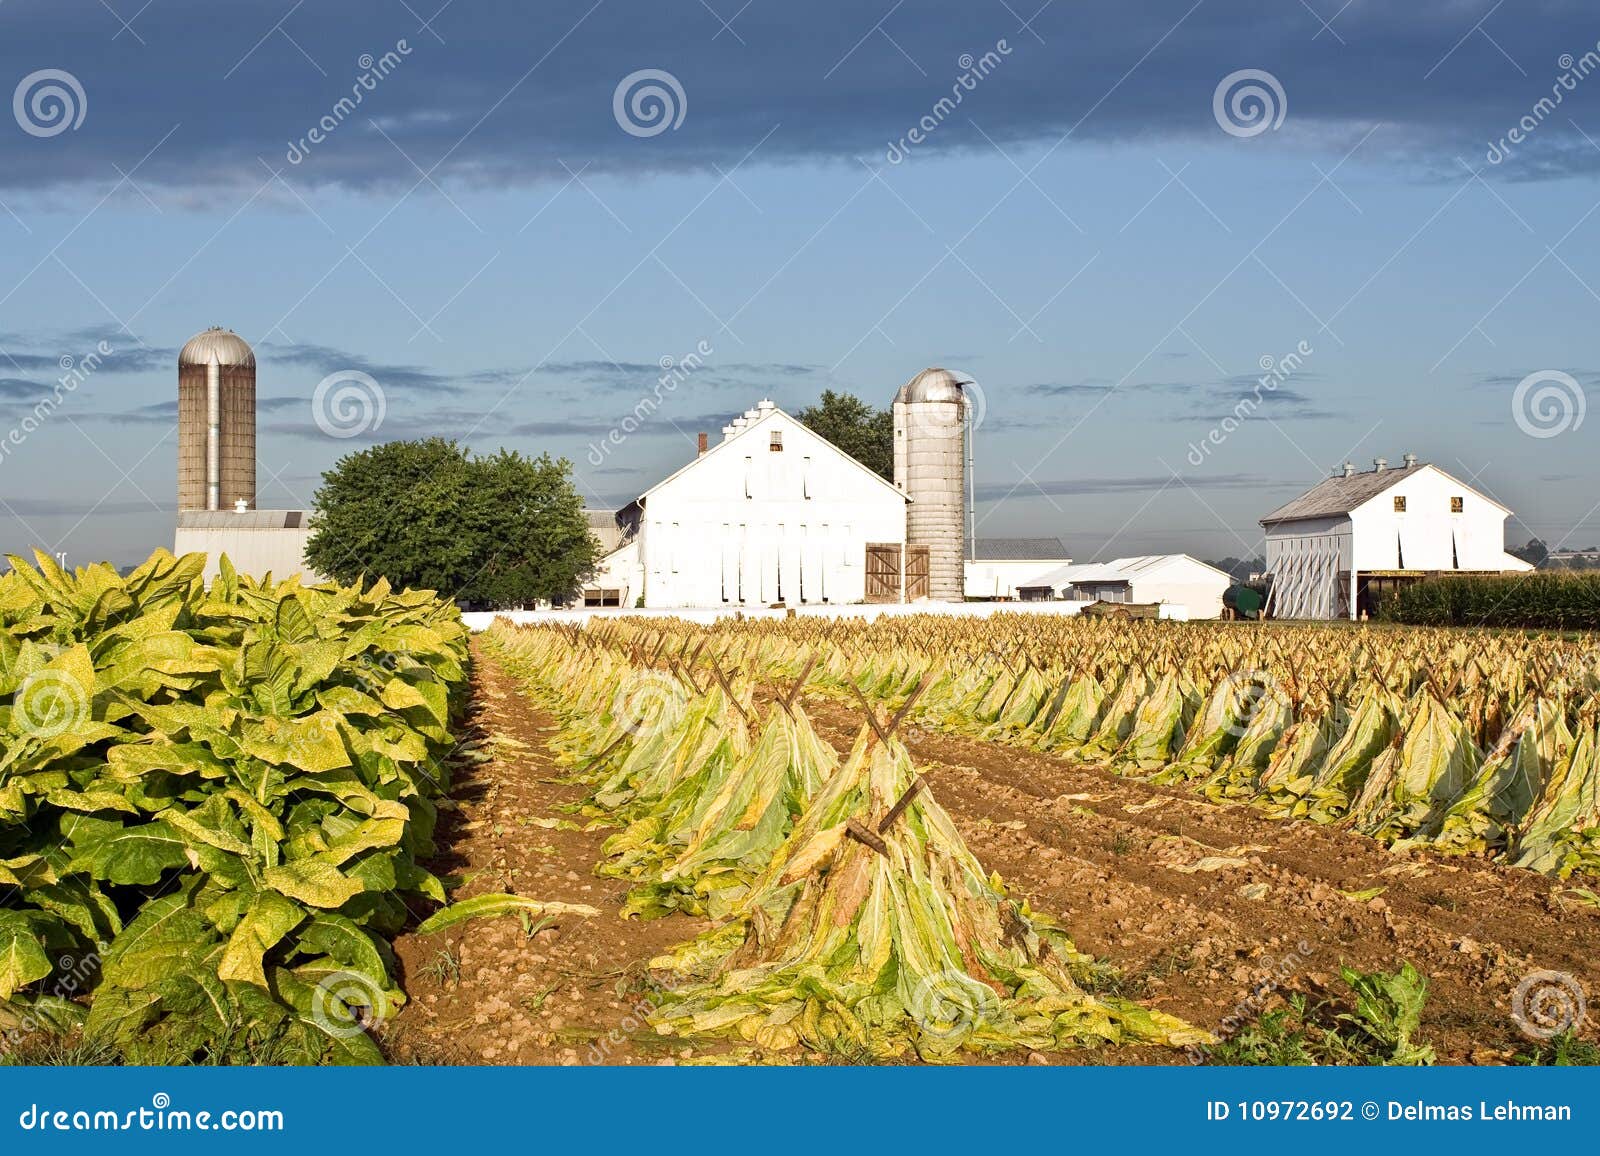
column 1019, row 550
column 243, row 519
column 1338, row 495
column 766, row 413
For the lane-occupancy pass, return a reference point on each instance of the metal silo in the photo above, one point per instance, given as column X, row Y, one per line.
column 930, row 466
column 216, row 422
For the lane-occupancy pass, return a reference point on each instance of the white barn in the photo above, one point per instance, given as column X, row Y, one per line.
column 771, row 514
column 1357, row 533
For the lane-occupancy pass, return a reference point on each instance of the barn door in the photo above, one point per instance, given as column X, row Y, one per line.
column 883, row 573
column 916, row 573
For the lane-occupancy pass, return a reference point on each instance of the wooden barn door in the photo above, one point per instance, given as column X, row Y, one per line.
column 883, row 573
column 916, row 573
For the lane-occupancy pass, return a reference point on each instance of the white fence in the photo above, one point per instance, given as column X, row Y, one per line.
column 865, row 613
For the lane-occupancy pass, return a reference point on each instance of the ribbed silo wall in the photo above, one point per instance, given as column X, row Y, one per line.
column 935, row 480
column 191, row 437
column 238, row 436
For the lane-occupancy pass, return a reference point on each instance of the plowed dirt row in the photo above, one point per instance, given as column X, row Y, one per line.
column 1196, row 904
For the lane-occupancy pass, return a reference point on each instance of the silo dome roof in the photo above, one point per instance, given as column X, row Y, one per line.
column 223, row 346
column 932, row 385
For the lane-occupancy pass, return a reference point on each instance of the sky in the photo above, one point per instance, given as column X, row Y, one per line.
column 1192, row 255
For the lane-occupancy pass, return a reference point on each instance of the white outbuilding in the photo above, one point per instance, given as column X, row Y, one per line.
column 771, row 514
column 1000, row 567
column 1175, row 580
column 1358, row 533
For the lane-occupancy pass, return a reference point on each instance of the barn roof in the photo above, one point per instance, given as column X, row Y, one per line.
column 1339, row 494
column 1019, row 550
column 758, row 418
column 242, row 519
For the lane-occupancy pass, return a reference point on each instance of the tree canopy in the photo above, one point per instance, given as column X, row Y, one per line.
column 505, row 530
column 865, row 433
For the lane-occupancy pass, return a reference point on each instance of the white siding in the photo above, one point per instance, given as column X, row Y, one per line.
column 743, row 521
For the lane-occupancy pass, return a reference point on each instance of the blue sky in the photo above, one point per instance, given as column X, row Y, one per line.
column 1082, row 235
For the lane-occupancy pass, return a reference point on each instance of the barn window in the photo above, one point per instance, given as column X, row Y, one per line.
column 805, row 478
column 776, row 445
column 1400, row 504
column 1457, row 505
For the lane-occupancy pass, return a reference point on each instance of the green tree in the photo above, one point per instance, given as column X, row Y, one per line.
column 864, row 433
column 505, row 530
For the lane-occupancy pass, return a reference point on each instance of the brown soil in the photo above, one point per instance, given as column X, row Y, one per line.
column 1194, row 903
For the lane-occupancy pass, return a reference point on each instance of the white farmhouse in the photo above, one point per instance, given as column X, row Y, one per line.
column 1358, row 534
column 771, row 514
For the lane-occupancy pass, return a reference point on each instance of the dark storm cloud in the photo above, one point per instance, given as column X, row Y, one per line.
column 497, row 92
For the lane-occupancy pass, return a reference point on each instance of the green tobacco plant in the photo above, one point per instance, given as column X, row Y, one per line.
column 221, row 795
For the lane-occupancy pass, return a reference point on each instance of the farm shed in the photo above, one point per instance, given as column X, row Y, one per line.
column 999, row 566
column 1358, row 532
column 1176, row 579
column 257, row 542
column 773, row 513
